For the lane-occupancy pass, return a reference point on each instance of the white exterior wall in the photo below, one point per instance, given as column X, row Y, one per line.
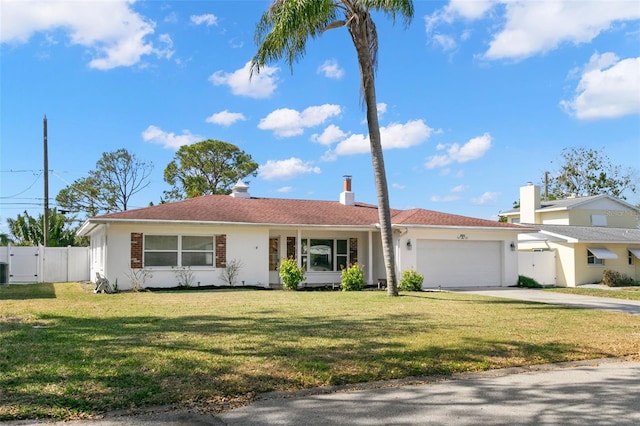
column 407, row 258
column 250, row 245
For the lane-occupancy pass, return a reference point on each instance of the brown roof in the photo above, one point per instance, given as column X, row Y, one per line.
column 276, row 211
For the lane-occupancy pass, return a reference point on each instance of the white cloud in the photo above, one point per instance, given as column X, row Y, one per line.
column 207, row 19
column 156, row 135
column 398, row 186
column 459, row 188
column 445, row 199
column 331, row 69
column 286, row 169
column 445, row 42
column 259, row 86
column 608, row 88
column 521, row 33
column 458, row 9
column 471, row 150
column 486, row 198
column 395, row 135
column 114, row 34
column 564, row 21
column 285, row 189
column 286, row 122
column 225, row 118
column 329, row 136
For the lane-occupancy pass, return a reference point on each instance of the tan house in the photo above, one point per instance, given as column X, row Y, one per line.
column 205, row 234
column 577, row 239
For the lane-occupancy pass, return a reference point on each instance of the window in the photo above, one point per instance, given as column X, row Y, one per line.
column 631, row 256
column 197, row 251
column 320, row 255
column 173, row 250
column 598, row 220
column 593, row 260
column 160, row 250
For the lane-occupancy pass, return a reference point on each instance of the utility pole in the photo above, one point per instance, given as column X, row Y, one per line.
column 45, row 230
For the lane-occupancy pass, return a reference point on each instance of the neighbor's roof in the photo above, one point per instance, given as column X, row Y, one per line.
column 570, row 203
column 276, row 211
column 591, row 234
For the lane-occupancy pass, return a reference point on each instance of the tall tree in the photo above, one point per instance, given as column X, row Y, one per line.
column 283, row 31
column 207, row 167
column 27, row 230
column 590, row 172
column 118, row 176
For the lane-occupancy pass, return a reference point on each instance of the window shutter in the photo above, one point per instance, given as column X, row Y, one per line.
column 221, row 251
column 136, row 250
column 353, row 250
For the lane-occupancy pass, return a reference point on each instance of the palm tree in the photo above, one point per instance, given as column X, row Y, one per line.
column 283, row 31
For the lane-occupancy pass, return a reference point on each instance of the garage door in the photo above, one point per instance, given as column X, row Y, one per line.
column 460, row 263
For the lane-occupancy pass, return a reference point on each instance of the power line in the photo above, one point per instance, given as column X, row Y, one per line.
column 22, row 192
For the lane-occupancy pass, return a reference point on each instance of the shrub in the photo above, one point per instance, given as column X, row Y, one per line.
column 411, row 280
column 231, row 271
column 291, row 274
column 528, row 282
column 352, row 278
column 616, row 279
column 184, row 276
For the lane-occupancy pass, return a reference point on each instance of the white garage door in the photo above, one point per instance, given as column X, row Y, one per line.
column 460, row 263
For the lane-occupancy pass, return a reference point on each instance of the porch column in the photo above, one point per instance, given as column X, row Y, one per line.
column 299, row 247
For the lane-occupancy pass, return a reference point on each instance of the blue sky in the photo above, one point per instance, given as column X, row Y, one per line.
column 476, row 98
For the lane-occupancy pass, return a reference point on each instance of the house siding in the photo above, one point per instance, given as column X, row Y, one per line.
column 125, row 245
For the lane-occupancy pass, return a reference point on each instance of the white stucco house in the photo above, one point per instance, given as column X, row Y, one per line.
column 577, row 239
column 206, row 233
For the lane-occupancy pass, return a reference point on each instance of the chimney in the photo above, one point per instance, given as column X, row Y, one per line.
column 529, row 202
column 347, row 197
column 240, row 190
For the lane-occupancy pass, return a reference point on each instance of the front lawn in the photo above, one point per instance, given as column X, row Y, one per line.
column 68, row 353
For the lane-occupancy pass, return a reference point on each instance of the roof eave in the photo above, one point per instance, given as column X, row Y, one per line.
column 200, row 222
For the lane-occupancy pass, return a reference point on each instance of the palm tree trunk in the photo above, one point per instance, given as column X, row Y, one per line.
column 359, row 34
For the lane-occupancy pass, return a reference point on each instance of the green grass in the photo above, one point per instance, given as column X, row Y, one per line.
column 628, row 293
column 68, row 353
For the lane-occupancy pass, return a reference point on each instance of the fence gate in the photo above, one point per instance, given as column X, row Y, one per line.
column 24, row 265
column 539, row 265
column 46, row 264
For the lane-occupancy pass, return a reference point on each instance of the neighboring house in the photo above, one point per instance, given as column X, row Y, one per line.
column 577, row 239
column 207, row 233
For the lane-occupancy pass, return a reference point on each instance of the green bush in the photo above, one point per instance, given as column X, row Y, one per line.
column 352, row 278
column 411, row 280
column 616, row 279
column 291, row 274
column 528, row 282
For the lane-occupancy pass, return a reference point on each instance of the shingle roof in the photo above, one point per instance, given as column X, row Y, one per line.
column 277, row 211
column 568, row 203
column 592, row 234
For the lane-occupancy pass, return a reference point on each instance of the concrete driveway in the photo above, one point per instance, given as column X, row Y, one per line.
column 574, row 300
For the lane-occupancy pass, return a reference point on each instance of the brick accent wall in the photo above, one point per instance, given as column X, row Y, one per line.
column 221, row 251
column 136, row 250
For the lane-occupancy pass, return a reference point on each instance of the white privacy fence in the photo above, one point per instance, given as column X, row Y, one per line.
column 44, row 264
